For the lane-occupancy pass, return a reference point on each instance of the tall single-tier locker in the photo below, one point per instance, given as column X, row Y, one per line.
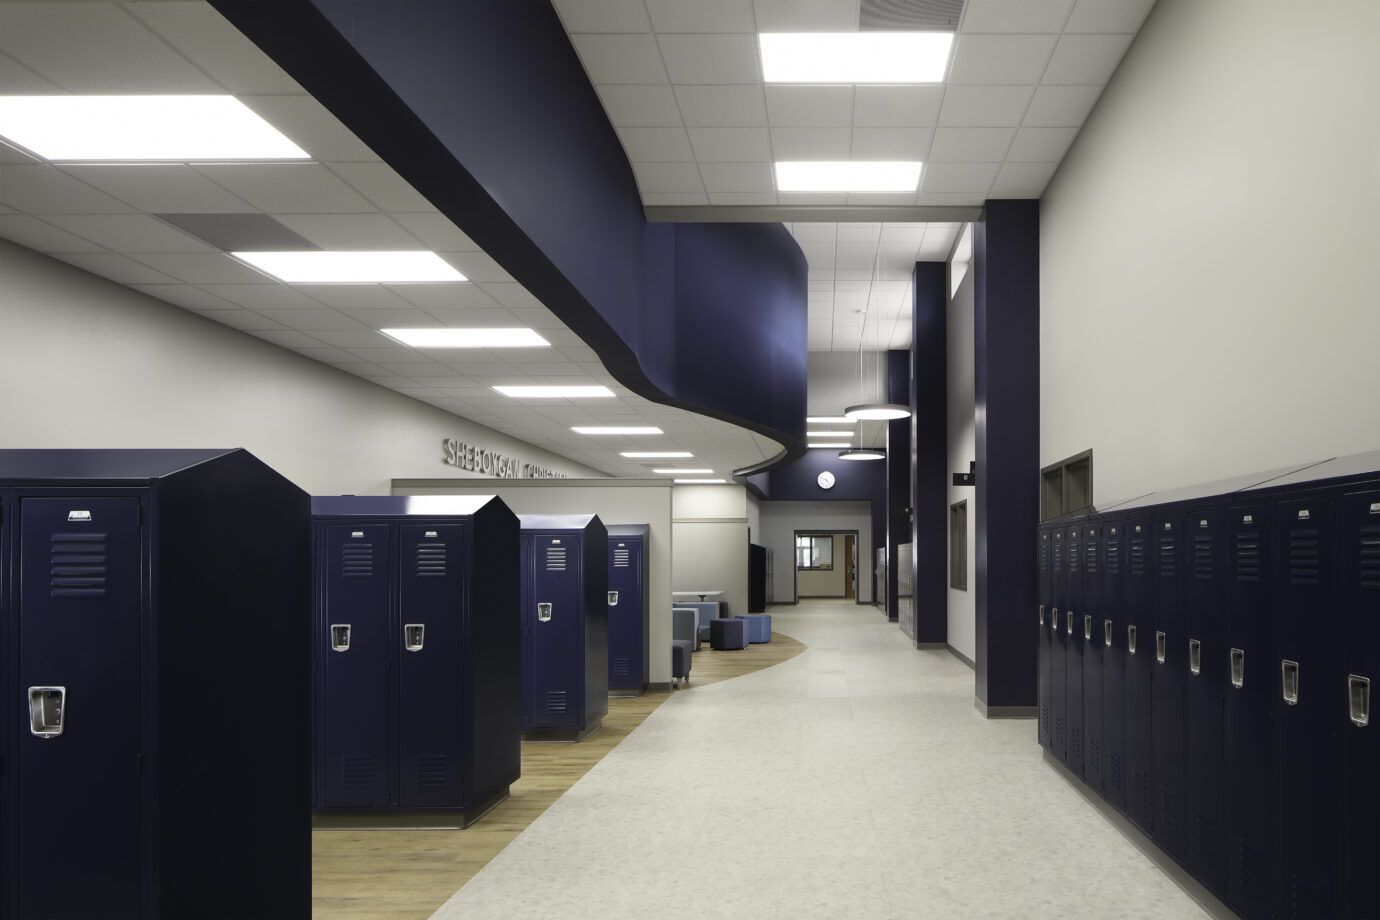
column 1094, row 609
column 155, row 608
column 1073, row 655
column 565, row 627
column 1058, row 651
column 418, row 658
column 757, row 578
column 1140, row 661
column 1114, row 663
column 629, row 606
column 1044, row 591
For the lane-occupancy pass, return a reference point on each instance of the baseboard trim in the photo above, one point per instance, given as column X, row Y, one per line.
column 962, row 657
column 658, row 686
column 938, row 645
column 1005, row 712
column 1180, row 876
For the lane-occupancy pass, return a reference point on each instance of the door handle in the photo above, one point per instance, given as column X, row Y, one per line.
column 613, row 598
column 1069, row 621
column 1087, row 627
column 1195, row 656
column 1131, row 639
column 1238, row 668
column 340, row 637
column 1107, row 633
column 1358, row 690
column 46, row 708
column 1159, row 647
column 1289, row 674
column 543, row 613
column 414, row 636
column 1054, row 620
column 1041, row 609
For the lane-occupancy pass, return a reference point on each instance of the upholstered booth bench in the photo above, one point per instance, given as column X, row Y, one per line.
column 758, row 626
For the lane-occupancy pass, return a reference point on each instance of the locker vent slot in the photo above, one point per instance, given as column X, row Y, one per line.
column 1248, row 866
column 431, row 560
column 1113, row 555
column 619, row 667
column 1090, row 559
column 1303, row 557
column 1058, row 731
column 1205, row 829
column 620, row 559
column 1168, row 561
column 1075, row 743
column 356, row 771
column 78, row 565
column 1169, row 813
column 1140, row 791
column 1044, row 552
column 1370, row 557
column 555, row 559
column 556, row 702
column 1094, row 756
column 1114, row 764
column 1308, row 902
column 431, row 771
column 1248, row 556
column 1202, row 556
column 1058, row 555
column 1044, row 719
column 1073, row 552
column 357, row 560
column 1137, row 555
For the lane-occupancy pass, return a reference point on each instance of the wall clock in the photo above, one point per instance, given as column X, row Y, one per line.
column 826, row 480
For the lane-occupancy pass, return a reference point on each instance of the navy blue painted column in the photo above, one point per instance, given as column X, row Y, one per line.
column 897, row 471
column 1006, row 319
column 929, row 435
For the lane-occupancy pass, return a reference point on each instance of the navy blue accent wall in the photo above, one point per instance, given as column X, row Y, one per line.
column 1006, row 320
column 897, row 471
column 485, row 109
column 930, row 435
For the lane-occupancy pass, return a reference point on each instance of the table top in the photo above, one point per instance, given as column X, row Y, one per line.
column 696, row 593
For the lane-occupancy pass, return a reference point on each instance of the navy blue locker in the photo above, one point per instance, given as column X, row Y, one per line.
column 1073, row 654
column 1359, row 599
column 1205, row 695
column 565, row 635
column 628, row 608
column 1045, row 592
column 1114, row 664
column 1140, row 664
column 1059, row 643
column 1170, row 671
column 354, row 758
column 418, row 650
column 148, row 599
column 1094, row 609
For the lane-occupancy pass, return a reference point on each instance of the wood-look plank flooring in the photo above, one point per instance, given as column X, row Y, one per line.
column 407, row 875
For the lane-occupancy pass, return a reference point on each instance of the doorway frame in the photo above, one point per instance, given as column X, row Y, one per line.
column 857, row 564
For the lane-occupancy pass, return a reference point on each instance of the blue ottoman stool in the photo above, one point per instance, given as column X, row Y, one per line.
column 759, row 626
column 728, row 633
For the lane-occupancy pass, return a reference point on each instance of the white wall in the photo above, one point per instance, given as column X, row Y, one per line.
column 616, row 501
column 834, row 382
column 962, row 449
column 1208, row 250
column 780, row 521
column 90, row 363
column 710, row 524
column 828, row 582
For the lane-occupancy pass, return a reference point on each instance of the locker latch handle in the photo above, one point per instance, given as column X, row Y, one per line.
column 1289, row 673
column 340, row 637
column 613, row 598
column 1069, row 622
column 1087, row 627
column 1238, row 668
column 544, row 613
column 1131, row 639
column 1107, row 633
column 1054, row 619
column 1358, row 690
column 1041, row 609
column 414, row 636
column 1195, row 656
column 1159, row 647
column 46, row 706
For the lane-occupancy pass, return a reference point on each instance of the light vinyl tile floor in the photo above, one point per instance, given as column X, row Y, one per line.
column 855, row 780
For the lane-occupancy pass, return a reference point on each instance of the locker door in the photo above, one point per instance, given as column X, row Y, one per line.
column 1091, row 623
column 428, row 639
column 1359, row 585
column 354, row 640
column 1309, row 681
column 1073, row 655
column 1204, row 698
column 1114, row 666
column 1170, row 655
column 1044, row 592
column 80, row 610
column 1253, row 688
column 625, row 613
column 1140, row 662
column 1059, row 644
column 553, row 628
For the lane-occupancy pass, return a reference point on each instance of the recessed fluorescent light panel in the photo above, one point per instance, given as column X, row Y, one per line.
column 142, row 129
column 637, row 454
column 615, row 429
column 353, row 267
column 672, row 472
column 828, row 434
column 848, row 176
column 467, row 338
column 855, row 57
column 536, row 392
column 829, row 420
column 701, row 482
column 815, row 444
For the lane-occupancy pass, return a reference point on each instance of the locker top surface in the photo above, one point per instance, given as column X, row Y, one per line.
column 1355, row 466
column 1220, row 487
column 628, row 530
column 533, row 522
column 395, row 506
column 104, row 465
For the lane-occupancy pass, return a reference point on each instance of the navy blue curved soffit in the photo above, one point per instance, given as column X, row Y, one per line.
column 484, row 107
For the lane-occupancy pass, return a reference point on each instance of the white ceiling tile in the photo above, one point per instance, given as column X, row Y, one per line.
column 160, row 188
column 187, row 295
column 14, row 155
column 674, row 199
column 201, row 268
column 856, row 255
column 214, row 45
column 355, row 296
column 809, row 106
column 656, row 145
column 959, row 177
column 738, row 177
column 640, row 106
column 349, row 231
column 280, row 188
column 436, row 232
column 1023, row 180
column 1061, row 106
column 730, row 145
column 42, row 236
column 984, row 106
column 479, row 267
column 476, row 316
column 891, row 143
column 957, row 145
column 381, row 185
column 313, row 128
column 20, row 80
column 859, row 232
column 700, row 59
column 1015, row 15
column 993, row 59
column 116, row 267
column 812, row 143
column 603, row 15
column 1041, row 145
column 243, row 320
column 385, row 355
column 265, row 295
column 321, row 320
column 389, row 319
column 130, row 233
column 806, row 15
column 723, row 106
column 950, row 199
column 1086, row 58
column 1108, row 15
column 42, row 189
column 668, row 177
column 445, row 296
column 95, row 48
column 513, row 294
column 897, row 106
column 702, row 16
column 620, row 58
column 288, row 338
column 743, row 198
column 823, row 230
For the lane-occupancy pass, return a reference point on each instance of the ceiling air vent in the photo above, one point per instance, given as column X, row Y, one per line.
column 910, row 15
